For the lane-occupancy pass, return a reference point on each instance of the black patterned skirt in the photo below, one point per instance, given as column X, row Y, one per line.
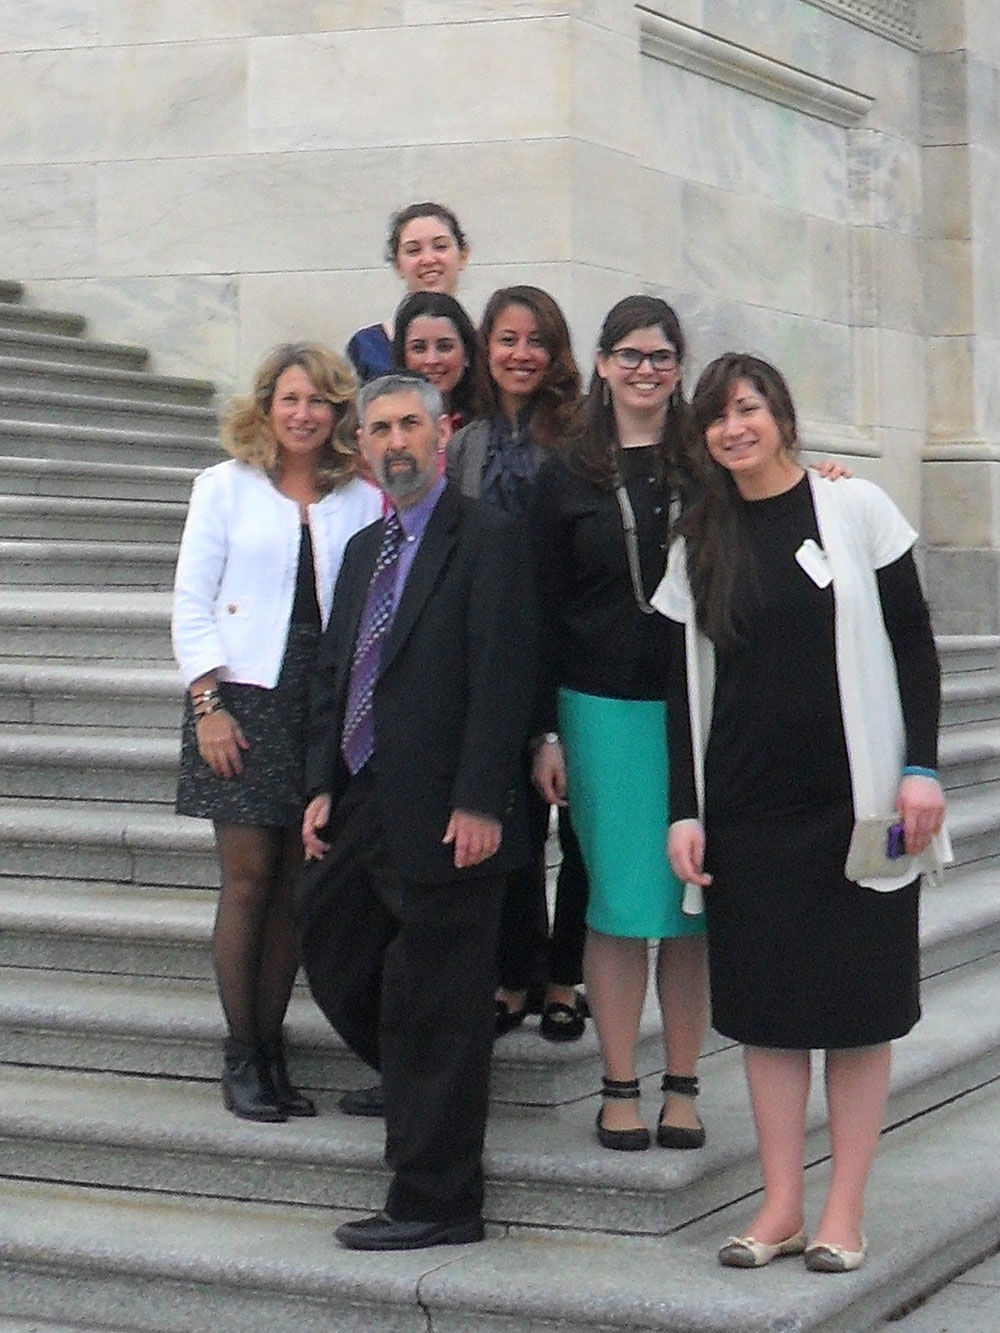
column 270, row 790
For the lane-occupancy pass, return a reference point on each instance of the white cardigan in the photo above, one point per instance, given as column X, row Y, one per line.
column 235, row 580
column 861, row 531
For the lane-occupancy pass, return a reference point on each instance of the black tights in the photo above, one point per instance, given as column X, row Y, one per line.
column 254, row 945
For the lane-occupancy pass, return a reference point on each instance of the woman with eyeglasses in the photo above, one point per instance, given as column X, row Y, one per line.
column 600, row 516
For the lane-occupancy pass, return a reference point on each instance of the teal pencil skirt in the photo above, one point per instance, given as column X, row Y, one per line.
column 616, row 758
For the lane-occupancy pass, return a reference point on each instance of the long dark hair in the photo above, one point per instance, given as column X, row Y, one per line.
column 554, row 403
column 592, row 446
column 720, row 562
column 471, row 395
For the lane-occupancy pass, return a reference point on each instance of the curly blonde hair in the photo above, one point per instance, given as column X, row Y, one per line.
column 246, row 427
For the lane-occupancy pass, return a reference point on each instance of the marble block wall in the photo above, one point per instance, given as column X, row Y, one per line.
column 209, row 178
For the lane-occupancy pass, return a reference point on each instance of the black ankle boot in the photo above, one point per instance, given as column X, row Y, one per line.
column 288, row 1098
column 246, row 1087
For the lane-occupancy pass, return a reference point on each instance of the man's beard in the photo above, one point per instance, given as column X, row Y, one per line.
column 405, row 478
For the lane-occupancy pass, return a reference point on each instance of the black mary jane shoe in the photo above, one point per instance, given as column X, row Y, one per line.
column 288, row 1098
column 679, row 1136
column 507, row 1019
column 621, row 1140
column 562, row 1022
column 382, row 1232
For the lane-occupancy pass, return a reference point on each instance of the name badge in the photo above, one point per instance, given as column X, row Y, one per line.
column 814, row 561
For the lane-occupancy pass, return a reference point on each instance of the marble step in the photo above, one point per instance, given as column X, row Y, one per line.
column 33, row 344
column 970, row 755
column 961, row 653
column 120, row 383
column 91, row 840
column 192, row 445
column 119, row 626
column 172, row 1028
column 87, row 766
column 87, row 564
column 970, row 697
column 111, row 699
column 72, row 478
column 974, row 824
column 116, row 929
column 69, row 923
column 41, row 517
column 15, row 315
column 60, row 408
column 124, row 1258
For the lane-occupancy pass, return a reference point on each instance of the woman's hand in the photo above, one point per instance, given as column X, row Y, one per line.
column 921, row 803
column 220, row 743
column 548, row 772
column 686, row 850
column 832, row 471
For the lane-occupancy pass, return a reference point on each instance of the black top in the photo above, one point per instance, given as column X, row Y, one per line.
column 305, row 607
column 777, row 746
column 594, row 638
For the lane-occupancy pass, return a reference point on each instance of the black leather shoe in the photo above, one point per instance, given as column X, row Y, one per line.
column 246, row 1086
column 382, row 1232
column 288, row 1098
column 363, row 1101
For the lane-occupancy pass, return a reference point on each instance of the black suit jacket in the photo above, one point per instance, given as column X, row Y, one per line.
column 452, row 702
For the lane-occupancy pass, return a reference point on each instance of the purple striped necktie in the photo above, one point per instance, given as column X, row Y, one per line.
column 359, row 730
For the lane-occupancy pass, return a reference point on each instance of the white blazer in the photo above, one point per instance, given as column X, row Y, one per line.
column 235, row 580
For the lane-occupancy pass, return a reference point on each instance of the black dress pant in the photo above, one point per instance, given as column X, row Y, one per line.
column 406, row 973
column 528, row 953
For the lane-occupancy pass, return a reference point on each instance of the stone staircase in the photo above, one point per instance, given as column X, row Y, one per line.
column 129, row 1201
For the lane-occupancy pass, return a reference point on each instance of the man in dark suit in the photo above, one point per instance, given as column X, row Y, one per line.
column 419, row 713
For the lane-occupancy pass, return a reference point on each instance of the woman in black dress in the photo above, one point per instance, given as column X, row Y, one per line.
column 802, row 598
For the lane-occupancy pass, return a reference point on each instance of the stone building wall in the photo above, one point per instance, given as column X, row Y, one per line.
column 813, row 179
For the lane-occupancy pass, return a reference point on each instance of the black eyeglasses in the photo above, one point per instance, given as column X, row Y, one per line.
column 630, row 358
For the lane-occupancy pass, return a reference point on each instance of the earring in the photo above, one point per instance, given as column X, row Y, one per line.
column 605, row 393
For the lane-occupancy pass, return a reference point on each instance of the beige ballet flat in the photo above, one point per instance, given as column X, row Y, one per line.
column 822, row 1258
column 745, row 1252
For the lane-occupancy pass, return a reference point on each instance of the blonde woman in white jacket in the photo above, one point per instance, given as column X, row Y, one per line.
column 262, row 545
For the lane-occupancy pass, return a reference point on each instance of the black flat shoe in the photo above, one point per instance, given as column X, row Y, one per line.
column 507, row 1019
column 382, row 1232
column 678, row 1136
column 621, row 1140
column 562, row 1022
column 363, row 1101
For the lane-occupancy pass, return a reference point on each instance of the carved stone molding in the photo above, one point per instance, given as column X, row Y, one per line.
column 896, row 19
column 737, row 66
